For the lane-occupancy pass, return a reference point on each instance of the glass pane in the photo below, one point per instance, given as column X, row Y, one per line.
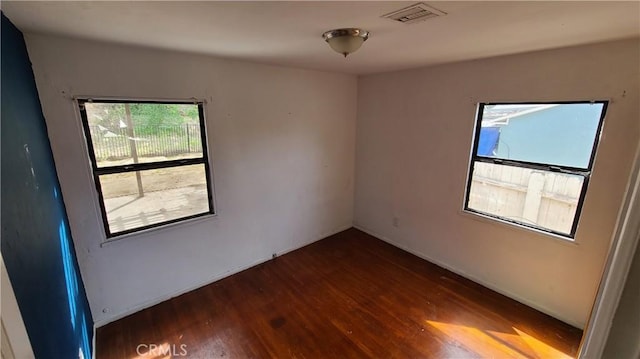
column 142, row 198
column 553, row 134
column 533, row 197
column 143, row 132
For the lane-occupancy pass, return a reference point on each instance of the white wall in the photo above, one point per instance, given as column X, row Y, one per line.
column 282, row 142
column 414, row 135
column 14, row 342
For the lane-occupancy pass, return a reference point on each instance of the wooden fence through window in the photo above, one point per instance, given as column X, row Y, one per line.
column 167, row 141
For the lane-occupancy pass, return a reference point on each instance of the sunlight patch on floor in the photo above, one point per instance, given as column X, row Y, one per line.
column 493, row 344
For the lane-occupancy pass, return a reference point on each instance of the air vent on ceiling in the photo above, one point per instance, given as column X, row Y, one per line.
column 414, row 13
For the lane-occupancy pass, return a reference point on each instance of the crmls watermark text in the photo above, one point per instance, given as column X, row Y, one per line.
column 154, row 350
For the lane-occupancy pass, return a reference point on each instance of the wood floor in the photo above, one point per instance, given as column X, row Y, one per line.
column 347, row 296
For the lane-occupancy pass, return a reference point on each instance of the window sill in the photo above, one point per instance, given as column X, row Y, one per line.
column 154, row 230
column 517, row 227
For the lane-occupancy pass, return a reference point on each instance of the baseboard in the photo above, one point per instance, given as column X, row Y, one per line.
column 473, row 278
column 215, row 278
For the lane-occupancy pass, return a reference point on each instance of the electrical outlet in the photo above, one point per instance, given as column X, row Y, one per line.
column 273, row 256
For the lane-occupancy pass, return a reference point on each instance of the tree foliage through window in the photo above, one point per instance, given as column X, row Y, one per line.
column 147, row 118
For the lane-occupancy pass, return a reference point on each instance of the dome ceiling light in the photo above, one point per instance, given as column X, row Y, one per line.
column 345, row 41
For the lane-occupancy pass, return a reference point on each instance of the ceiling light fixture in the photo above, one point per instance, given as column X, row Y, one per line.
column 345, row 41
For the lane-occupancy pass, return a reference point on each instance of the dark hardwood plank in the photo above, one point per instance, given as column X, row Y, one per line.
column 346, row 296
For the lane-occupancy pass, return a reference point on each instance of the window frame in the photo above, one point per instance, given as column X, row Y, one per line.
column 96, row 171
column 585, row 173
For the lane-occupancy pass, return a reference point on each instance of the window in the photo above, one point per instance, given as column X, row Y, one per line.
column 531, row 163
column 149, row 161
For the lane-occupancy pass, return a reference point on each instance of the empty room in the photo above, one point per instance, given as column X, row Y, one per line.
column 320, row 179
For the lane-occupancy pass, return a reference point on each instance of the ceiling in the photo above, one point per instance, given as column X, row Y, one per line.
column 289, row 33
